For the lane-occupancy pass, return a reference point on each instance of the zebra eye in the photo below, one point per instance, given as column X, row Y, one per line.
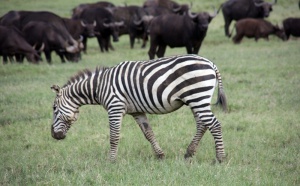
column 54, row 107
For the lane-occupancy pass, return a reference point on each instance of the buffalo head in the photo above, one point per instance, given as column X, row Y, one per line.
column 202, row 19
column 266, row 7
column 279, row 32
column 143, row 23
column 89, row 28
column 114, row 28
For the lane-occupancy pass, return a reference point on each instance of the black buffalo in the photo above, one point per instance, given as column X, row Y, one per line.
column 19, row 19
column 256, row 28
column 131, row 16
column 144, row 22
column 76, row 12
column 178, row 31
column 38, row 33
column 78, row 30
column 291, row 27
column 13, row 43
column 240, row 9
column 106, row 26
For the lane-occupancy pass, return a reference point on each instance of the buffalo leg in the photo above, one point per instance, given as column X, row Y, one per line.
column 84, row 42
column 110, row 46
column 101, row 44
column 145, row 39
column 227, row 24
column 152, row 49
column 5, row 59
column 48, row 56
column 106, row 44
column 197, row 48
column 161, row 51
column 189, row 49
column 132, row 39
column 11, row 58
column 61, row 56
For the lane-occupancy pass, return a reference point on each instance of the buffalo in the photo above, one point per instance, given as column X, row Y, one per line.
column 178, row 31
column 19, row 19
column 291, row 27
column 38, row 32
column 79, row 30
column 13, row 43
column 131, row 15
column 106, row 26
column 144, row 22
column 76, row 12
column 240, row 9
column 256, row 28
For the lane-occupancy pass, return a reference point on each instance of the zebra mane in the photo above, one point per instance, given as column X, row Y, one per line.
column 83, row 74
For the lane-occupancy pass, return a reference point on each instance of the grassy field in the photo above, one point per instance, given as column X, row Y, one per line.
column 261, row 132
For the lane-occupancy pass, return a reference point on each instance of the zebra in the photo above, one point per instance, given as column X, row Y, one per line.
column 138, row 88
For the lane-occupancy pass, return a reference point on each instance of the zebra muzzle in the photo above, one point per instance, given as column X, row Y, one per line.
column 58, row 135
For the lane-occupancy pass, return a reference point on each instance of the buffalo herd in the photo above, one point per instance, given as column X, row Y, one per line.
column 28, row 34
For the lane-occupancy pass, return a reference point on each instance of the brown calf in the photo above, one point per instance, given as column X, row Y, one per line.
column 256, row 28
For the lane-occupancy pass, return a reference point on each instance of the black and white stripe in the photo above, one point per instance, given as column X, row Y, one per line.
column 156, row 87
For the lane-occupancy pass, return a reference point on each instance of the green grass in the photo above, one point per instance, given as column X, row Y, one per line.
column 261, row 131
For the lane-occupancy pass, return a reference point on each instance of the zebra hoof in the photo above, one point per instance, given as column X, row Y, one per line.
column 221, row 159
column 160, row 156
column 188, row 155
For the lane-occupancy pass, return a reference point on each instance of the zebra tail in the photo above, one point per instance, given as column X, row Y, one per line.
column 221, row 100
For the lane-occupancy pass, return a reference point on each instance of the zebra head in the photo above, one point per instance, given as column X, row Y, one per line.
column 63, row 114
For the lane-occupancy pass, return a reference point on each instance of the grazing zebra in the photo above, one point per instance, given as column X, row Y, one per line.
column 156, row 87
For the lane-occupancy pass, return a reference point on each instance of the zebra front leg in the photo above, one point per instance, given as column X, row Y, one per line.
column 115, row 120
column 201, row 129
column 143, row 122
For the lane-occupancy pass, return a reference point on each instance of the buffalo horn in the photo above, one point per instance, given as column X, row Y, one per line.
column 259, row 4
column 120, row 23
column 106, row 25
column 147, row 18
column 42, row 47
column 192, row 15
column 138, row 22
column 82, row 23
column 177, row 9
column 71, row 49
column 80, row 38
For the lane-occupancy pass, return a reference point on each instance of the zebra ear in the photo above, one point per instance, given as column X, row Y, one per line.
column 56, row 89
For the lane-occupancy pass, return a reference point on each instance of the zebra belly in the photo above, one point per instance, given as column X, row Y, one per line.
column 169, row 107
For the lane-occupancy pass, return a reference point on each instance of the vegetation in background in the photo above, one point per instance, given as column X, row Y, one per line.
column 261, row 131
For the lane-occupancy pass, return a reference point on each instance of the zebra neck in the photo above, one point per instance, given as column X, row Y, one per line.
column 81, row 93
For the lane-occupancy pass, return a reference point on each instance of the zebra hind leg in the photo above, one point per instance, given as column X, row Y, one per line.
column 143, row 122
column 207, row 121
column 216, row 131
column 201, row 129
